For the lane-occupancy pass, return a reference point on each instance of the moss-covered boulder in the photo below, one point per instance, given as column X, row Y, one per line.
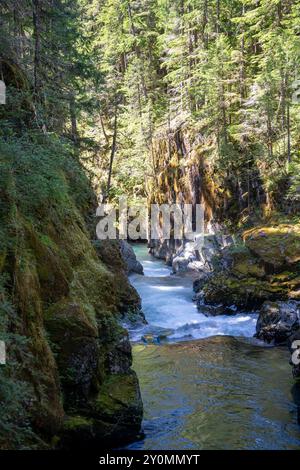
column 132, row 265
column 119, row 400
column 265, row 267
column 127, row 298
column 277, row 247
column 118, row 404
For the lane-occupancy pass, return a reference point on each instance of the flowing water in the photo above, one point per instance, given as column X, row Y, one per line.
column 168, row 306
column 205, row 382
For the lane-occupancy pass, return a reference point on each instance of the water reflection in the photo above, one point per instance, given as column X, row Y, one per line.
column 217, row 393
column 296, row 397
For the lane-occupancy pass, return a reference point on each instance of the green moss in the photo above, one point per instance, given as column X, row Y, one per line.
column 75, row 423
column 243, row 264
column 251, row 269
column 67, row 298
column 248, row 292
column 266, row 267
column 277, row 246
column 46, row 240
column 42, row 369
column 117, row 396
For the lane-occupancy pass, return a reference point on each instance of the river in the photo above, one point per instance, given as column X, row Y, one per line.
column 206, row 383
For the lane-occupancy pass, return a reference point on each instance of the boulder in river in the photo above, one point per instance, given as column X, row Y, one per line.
column 278, row 247
column 200, row 282
column 188, row 259
column 264, row 266
column 278, row 321
column 182, row 255
column 131, row 263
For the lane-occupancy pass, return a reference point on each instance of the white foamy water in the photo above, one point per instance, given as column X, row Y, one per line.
column 169, row 309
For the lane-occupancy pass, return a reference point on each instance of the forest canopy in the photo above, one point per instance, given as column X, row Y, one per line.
column 111, row 76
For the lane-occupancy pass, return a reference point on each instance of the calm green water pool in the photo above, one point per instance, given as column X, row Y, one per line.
column 221, row 389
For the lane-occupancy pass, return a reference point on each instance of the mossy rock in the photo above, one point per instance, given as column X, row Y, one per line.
column 119, row 401
column 114, row 414
column 109, row 253
column 278, row 247
column 74, row 339
column 267, row 267
column 42, row 371
column 243, row 264
column 128, row 300
column 77, row 433
column 77, row 423
column 245, row 293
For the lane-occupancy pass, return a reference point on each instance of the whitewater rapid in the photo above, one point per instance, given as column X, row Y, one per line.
column 170, row 311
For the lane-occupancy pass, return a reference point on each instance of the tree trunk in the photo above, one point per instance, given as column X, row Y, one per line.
column 36, row 16
column 112, row 154
column 288, row 125
column 218, row 17
column 72, row 107
column 204, row 24
column 103, row 129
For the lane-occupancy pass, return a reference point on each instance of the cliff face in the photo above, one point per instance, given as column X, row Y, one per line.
column 62, row 298
column 186, row 173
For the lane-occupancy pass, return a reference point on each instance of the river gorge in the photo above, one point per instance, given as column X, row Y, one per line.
column 206, row 383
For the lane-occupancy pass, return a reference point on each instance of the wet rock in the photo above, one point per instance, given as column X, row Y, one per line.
column 188, row 258
column 263, row 268
column 211, row 247
column 278, row 321
column 180, row 264
column 214, row 310
column 200, row 282
column 157, row 336
column 163, row 249
column 120, row 358
column 114, row 415
column 184, row 256
column 131, row 263
column 164, row 334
